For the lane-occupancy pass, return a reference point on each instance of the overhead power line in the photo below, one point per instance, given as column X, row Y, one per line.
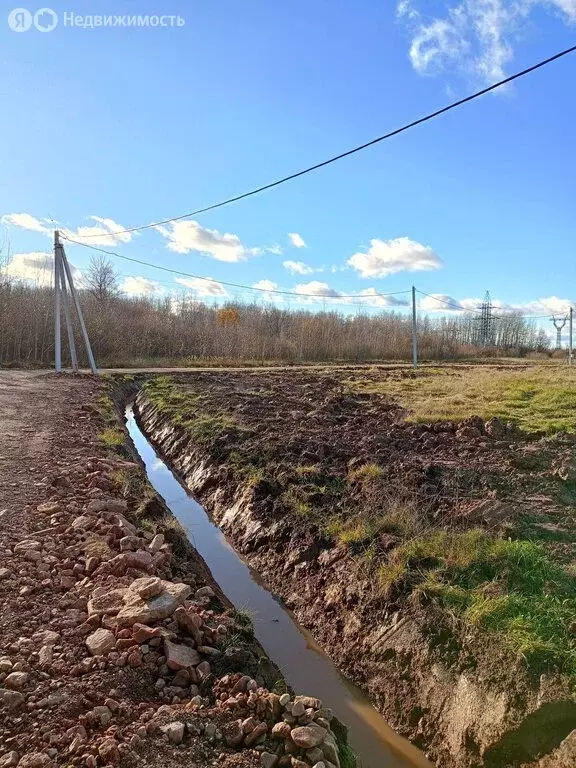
column 336, row 296
column 460, row 308
column 349, row 152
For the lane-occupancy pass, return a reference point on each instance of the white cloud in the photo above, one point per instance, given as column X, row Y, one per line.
column 186, row 236
column 207, row 287
column 38, row 267
column 297, row 267
column 475, row 36
column 297, row 240
column 371, row 296
column 107, row 233
column 386, row 257
column 440, row 302
column 140, row 286
column 266, row 285
column 26, row 221
column 316, row 289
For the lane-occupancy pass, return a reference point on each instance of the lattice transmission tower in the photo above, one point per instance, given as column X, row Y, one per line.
column 485, row 334
column 559, row 324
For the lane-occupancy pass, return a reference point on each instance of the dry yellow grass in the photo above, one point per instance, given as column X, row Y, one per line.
column 536, row 398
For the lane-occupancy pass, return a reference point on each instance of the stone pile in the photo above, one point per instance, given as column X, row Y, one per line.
column 100, row 613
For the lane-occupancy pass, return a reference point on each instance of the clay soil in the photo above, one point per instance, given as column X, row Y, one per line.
column 324, row 463
column 66, row 501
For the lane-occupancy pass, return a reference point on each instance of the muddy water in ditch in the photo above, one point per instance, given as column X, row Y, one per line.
column 305, row 667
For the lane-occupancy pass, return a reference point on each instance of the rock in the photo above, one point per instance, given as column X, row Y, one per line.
column 268, row 760
column 330, row 750
column 143, row 633
column 495, row 428
column 5, row 573
column 26, row 545
column 10, row 699
column 129, row 543
column 9, row 760
column 233, row 733
column 314, row 755
column 138, row 610
column 284, row 699
column 116, row 506
column 49, row 508
column 309, row 702
column 319, row 764
column 174, row 731
column 109, row 752
column 308, row 736
column 33, row 555
column 101, row 642
column 103, row 714
column 35, row 760
column 156, row 543
column 5, row 664
column 139, row 560
column 83, row 522
column 16, row 680
column 204, row 592
column 190, row 623
column 252, row 737
column 147, row 587
column 180, row 656
column 249, row 724
column 297, row 709
column 110, row 601
column 46, row 637
column 281, row 730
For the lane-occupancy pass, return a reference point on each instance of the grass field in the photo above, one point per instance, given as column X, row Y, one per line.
column 536, row 398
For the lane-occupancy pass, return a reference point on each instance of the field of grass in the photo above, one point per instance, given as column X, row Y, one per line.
column 536, row 398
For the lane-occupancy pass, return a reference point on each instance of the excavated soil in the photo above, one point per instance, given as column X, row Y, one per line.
column 454, row 691
column 116, row 646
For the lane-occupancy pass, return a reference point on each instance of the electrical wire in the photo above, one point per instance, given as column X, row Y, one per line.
column 349, row 152
column 228, row 284
column 460, row 308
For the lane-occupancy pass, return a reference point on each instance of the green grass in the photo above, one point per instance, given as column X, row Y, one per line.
column 509, row 588
column 366, row 472
column 186, row 409
column 112, row 437
column 536, row 398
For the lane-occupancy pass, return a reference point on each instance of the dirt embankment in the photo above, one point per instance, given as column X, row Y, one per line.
column 116, row 646
column 466, row 698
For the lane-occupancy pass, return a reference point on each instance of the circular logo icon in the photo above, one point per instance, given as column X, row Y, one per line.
column 20, row 20
column 45, row 20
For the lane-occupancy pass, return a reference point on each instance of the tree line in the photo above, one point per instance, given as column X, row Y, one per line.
column 129, row 331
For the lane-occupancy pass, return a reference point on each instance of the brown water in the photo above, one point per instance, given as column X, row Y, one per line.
column 304, row 665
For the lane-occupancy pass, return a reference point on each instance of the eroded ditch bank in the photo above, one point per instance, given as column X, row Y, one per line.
column 467, row 711
column 289, row 646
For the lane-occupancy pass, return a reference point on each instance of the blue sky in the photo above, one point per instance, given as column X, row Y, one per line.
column 133, row 125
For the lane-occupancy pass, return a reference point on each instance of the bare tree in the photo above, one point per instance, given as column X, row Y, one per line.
column 101, row 279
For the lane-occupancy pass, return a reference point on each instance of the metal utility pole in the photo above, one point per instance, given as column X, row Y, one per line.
column 559, row 325
column 63, row 274
column 570, row 345
column 414, row 331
